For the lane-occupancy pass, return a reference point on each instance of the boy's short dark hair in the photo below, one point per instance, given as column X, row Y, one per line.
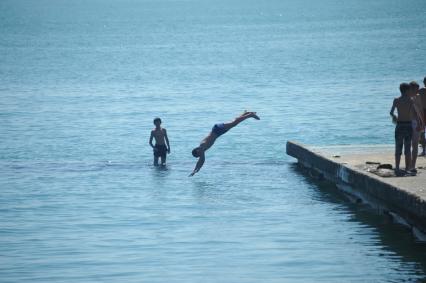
column 414, row 84
column 424, row 79
column 195, row 152
column 404, row 87
column 157, row 119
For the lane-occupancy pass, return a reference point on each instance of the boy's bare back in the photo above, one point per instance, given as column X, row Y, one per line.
column 404, row 105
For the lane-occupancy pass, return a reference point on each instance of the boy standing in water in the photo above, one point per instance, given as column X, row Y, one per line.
column 417, row 123
column 217, row 131
column 403, row 129
column 161, row 139
column 422, row 94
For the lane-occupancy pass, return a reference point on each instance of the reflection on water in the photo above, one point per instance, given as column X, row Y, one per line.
column 397, row 241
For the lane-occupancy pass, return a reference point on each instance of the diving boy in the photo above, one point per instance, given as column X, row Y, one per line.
column 162, row 146
column 217, row 131
column 403, row 129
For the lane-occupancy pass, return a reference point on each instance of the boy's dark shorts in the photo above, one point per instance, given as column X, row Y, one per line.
column 160, row 150
column 219, row 129
column 403, row 136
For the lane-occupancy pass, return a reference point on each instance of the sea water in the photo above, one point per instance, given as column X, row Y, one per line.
column 82, row 80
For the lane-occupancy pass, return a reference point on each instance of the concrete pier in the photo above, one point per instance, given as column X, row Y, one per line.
column 355, row 171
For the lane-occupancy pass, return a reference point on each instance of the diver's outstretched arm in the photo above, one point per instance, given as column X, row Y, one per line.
column 199, row 164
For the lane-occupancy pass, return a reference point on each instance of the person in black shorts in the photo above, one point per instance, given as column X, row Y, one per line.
column 217, row 131
column 422, row 93
column 403, row 130
column 162, row 146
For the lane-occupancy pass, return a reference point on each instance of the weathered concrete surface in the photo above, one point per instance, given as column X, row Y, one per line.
column 347, row 167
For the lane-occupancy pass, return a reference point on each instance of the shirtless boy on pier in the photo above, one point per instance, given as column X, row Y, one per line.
column 403, row 129
column 422, row 94
column 417, row 123
column 217, row 131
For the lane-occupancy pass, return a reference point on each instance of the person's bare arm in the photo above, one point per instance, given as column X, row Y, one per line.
column 392, row 111
column 199, row 164
column 150, row 139
column 167, row 141
column 418, row 113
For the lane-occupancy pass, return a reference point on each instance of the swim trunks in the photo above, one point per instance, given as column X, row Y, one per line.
column 403, row 136
column 219, row 129
column 160, row 150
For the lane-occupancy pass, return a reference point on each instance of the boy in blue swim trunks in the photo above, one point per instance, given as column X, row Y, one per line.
column 217, row 131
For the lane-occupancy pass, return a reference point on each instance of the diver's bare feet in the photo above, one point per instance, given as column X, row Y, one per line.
column 250, row 114
column 253, row 114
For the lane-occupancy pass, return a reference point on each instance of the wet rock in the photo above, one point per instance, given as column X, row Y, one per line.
column 384, row 173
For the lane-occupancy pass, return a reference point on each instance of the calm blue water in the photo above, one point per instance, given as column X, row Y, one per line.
column 81, row 81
